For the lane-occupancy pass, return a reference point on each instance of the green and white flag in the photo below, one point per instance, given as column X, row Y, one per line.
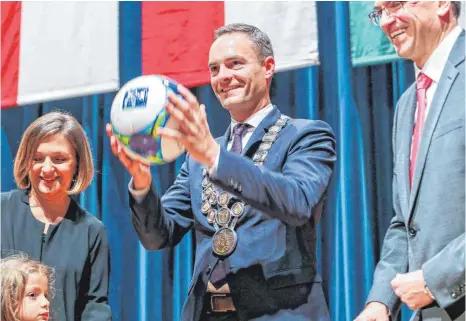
column 369, row 45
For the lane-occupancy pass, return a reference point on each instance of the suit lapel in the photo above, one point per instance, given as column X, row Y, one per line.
column 258, row 133
column 446, row 81
column 406, row 134
column 260, row 130
column 256, row 137
column 223, row 140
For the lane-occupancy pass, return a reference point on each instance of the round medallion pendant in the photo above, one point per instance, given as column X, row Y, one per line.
column 205, row 207
column 211, row 216
column 237, row 209
column 212, row 198
column 223, row 216
column 223, row 199
column 224, row 241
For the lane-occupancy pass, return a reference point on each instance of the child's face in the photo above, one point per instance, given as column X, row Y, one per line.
column 35, row 305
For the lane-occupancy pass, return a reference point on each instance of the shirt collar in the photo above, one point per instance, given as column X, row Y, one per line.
column 254, row 120
column 434, row 66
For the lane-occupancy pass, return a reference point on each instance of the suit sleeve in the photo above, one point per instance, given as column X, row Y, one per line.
column 445, row 273
column 96, row 307
column 289, row 195
column 162, row 222
column 394, row 255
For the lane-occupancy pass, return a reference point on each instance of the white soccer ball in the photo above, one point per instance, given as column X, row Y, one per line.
column 137, row 111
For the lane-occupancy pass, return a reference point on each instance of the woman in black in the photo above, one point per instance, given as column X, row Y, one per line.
column 54, row 161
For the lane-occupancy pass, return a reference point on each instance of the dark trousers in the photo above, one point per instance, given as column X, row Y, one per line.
column 225, row 316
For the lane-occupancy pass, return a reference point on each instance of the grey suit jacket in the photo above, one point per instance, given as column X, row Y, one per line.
column 427, row 231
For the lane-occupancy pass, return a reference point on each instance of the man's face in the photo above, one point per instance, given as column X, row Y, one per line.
column 413, row 27
column 239, row 77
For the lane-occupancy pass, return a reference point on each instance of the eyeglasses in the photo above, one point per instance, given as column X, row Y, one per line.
column 390, row 8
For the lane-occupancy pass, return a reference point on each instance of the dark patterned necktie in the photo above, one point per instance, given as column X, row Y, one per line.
column 238, row 132
column 218, row 276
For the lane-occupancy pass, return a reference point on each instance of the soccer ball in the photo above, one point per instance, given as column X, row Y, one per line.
column 137, row 111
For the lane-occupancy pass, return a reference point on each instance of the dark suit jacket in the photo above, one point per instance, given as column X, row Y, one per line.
column 77, row 248
column 272, row 273
column 427, row 231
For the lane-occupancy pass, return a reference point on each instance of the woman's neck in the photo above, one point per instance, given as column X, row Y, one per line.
column 49, row 211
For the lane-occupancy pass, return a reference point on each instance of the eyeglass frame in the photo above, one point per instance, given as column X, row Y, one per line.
column 375, row 17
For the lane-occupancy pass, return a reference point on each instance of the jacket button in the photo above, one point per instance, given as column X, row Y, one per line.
column 453, row 295
column 209, row 268
column 412, row 231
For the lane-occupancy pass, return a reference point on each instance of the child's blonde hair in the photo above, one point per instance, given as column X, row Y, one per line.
column 14, row 273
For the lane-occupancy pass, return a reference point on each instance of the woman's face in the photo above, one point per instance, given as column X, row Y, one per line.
column 53, row 167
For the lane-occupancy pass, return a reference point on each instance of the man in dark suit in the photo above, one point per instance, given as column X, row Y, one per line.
column 423, row 262
column 253, row 196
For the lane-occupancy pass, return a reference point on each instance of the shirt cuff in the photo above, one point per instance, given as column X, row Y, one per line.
column 213, row 170
column 138, row 194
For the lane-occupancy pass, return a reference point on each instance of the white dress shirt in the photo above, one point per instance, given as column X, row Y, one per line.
column 253, row 121
column 434, row 66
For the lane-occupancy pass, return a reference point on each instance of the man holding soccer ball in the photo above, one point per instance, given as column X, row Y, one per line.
column 253, row 196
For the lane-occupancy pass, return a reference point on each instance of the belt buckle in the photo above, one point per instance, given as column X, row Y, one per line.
column 216, row 305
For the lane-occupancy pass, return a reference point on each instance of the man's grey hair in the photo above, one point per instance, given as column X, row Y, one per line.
column 258, row 37
column 456, row 7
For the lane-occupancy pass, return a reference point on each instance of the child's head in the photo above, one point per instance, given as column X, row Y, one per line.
column 25, row 289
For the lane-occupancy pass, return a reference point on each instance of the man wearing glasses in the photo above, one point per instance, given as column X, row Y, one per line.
column 422, row 262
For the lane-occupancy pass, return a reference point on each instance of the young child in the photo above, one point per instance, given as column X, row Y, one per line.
column 25, row 289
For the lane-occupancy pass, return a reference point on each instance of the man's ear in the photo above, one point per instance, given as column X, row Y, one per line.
column 443, row 9
column 269, row 64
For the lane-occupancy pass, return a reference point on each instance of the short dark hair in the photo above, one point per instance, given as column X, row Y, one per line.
column 260, row 39
column 456, row 7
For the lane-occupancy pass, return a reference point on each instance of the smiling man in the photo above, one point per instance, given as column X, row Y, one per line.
column 422, row 262
column 253, row 196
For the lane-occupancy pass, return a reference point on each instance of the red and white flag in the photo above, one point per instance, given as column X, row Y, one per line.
column 58, row 50
column 54, row 50
column 176, row 36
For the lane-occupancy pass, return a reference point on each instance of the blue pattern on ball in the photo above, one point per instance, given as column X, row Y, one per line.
column 143, row 144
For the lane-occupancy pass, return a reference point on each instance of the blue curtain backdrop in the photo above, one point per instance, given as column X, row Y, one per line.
column 358, row 103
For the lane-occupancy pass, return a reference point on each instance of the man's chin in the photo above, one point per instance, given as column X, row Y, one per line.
column 403, row 50
column 231, row 103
